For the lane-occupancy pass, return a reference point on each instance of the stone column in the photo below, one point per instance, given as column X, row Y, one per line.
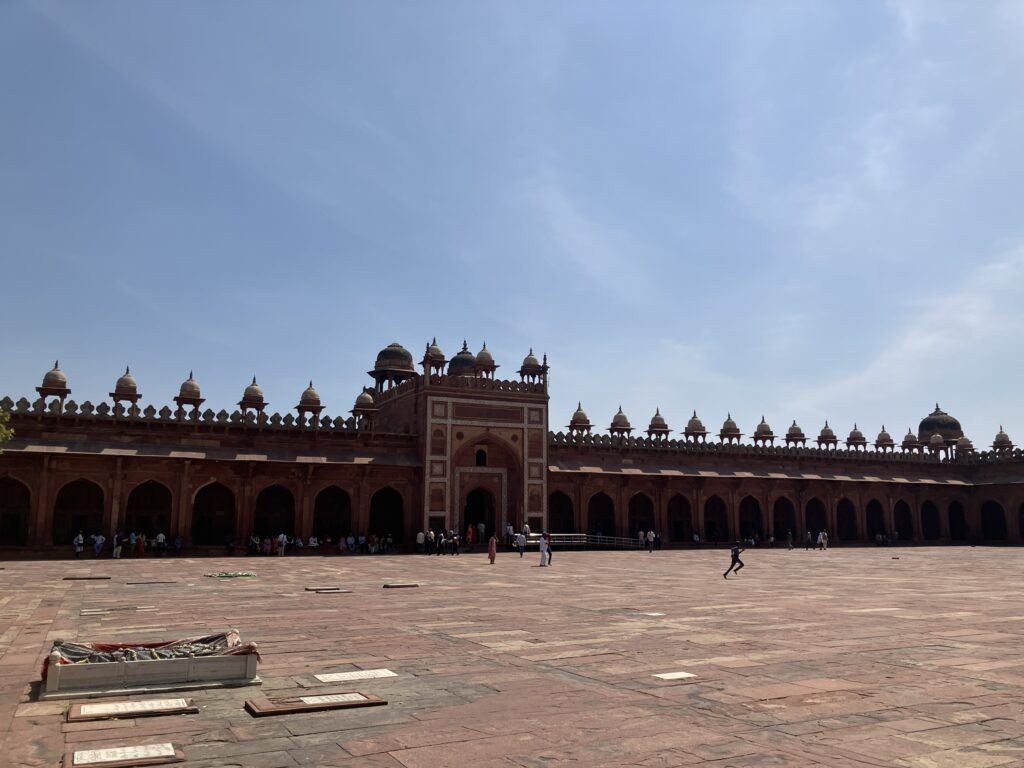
column 41, row 518
column 113, row 512
column 181, row 520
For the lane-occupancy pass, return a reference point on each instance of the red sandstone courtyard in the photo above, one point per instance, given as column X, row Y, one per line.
column 839, row 658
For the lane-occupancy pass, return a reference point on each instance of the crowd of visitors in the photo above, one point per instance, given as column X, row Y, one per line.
column 128, row 544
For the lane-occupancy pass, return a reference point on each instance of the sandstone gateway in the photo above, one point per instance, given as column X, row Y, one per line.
column 453, row 444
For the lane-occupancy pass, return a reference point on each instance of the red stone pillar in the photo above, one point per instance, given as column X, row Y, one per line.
column 41, row 518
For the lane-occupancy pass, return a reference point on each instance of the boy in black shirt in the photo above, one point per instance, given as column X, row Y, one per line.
column 736, row 562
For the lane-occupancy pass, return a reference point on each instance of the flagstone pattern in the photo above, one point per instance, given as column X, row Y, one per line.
column 841, row 658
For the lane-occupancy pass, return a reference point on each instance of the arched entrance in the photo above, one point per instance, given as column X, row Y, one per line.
column 993, row 521
column 213, row 515
column 680, row 526
column 817, row 520
column 148, row 510
column 275, row 512
column 846, row 520
column 641, row 514
column 387, row 514
column 479, row 509
column 78, row 507
column 601, row 515
column 875, row 520
column 560, row 513
column 332, row 514
column 958, row 530
column 716, row 520
column 750, row 518
column 784, row 520
column 903, row 521
column 15, row 503
column 931, row 529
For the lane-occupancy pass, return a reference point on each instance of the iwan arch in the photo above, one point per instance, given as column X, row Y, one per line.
column 447, row 443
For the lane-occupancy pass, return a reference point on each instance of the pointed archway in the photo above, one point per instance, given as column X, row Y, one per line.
column 275, row 512
column 716, row 520
column 148, row 511
column 480, row 509
column 78, row 507
column 958, row 530
column 680, row 524
column 213, row 515
column 903, row 521
column 993, row 521
column 641, row 514
column 601, row 515
column 817, row 519
column 15, row 503
column 875, row 520
column 784, row 520
column 387, row 514
column 931, row 530
column 846, row 521
column 332, row 514
column 560, row 513
column 750, row 518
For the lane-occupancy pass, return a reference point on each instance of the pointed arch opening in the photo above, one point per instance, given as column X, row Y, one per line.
column 716, row 520
column 680, row 523
column 903, row 520
column 750, row 518
column 993, row 521
column 846, row 521
column 213, row 515
column 15, row 503
column 480, row 509
column 601, row 515
column 560, row 513
column 641, row 514
column 817, row 519
column 875, row 519
column 931, row 528
column 958, row 530
column 784, row 520
column 78, row 507
column 332, row 514
column 275, row 512
column 148, row 510
column 387, row 514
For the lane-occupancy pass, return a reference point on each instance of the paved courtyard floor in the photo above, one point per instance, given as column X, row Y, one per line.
column 861, row 657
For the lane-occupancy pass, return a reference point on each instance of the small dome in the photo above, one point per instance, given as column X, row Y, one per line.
column 940, row 422
column 657, row 420
column 310, row 396
column 619, row 420
column 530, row 360
column 126, row 385
column 884, row 438
column 580, row 417
column 794, row 431
column 434, row 352
column 763, row 429
column 964, row 444
column 463, row 364
column 729, row 429
column 55, row 379
column 364, row 400
column 393, row 357
column 189, row 387
column 827, row 433
column 694, row 425
column 484, row 357
column 936, row 441
column 855, row 435
column 1002, row 440
column 910, row 439
column 253, row 391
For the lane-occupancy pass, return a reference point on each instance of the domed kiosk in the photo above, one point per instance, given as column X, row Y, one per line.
column 392, row 367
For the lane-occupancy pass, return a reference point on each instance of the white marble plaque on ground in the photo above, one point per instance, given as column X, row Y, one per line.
column 113, row 755
column 359, row 674
column 333, row 698
column 675, row 675
column 131, row 707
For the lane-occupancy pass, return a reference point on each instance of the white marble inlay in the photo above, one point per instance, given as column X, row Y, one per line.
column 333, row 698
column 359, row 674
column 127, row 707
column 675, row 675
column 100, row 756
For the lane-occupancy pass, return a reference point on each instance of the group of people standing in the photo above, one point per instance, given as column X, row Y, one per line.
column 131, row 544
column 283, row 543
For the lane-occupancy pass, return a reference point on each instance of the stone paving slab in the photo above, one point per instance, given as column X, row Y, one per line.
column 842, row 658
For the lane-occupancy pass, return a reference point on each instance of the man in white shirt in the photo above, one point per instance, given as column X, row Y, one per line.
column 543, row 552
column 420, row 540
column 79, row 544
column 282, row 542
column 650, row 541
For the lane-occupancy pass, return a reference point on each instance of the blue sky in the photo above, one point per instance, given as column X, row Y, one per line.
column 798, row 209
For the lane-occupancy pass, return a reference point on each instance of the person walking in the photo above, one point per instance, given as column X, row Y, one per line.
column 543, row 551
column 282, row 542
column 521, row 544
column 650, row 541
column 736, row 562
column 808, row 541
column 492, row 549
column 640, row 539
column 551, row 549
column 79, row 544
column 824, row 540
column 118, row 538
column 789, row 537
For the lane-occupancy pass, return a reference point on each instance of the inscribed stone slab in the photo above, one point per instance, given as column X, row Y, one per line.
column 133, row 707
column 122, row 754
column 332, row 698
column 359, row 674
